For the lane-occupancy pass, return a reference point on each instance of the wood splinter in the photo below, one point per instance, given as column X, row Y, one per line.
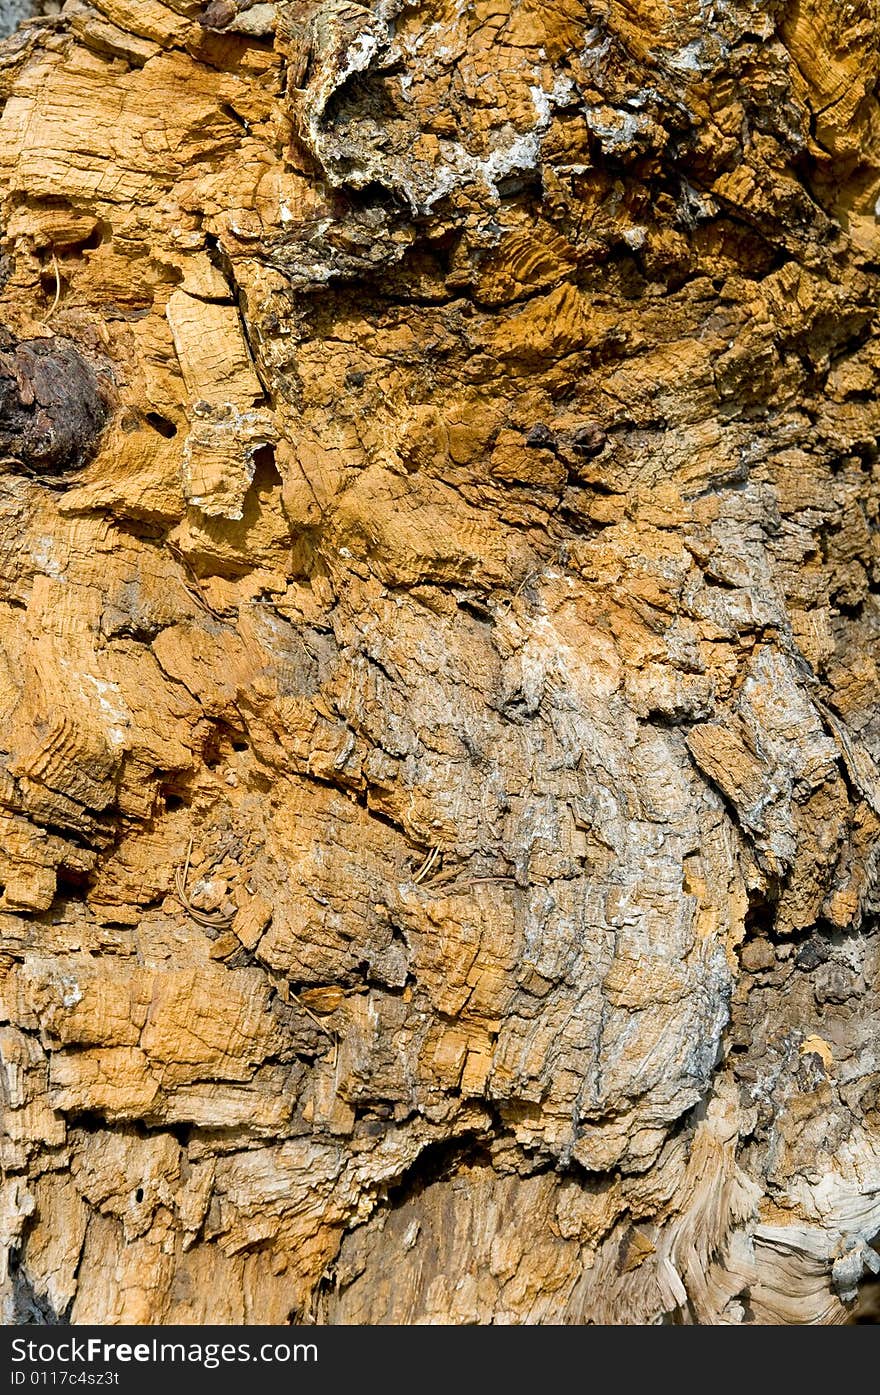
column 215, row 920
column 57, row 297
column 430, row 862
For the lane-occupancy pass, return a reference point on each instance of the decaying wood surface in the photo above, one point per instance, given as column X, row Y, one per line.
column 439, row 686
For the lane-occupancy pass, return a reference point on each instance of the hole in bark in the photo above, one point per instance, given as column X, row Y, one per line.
column 518, row 184
column 71, row 884
column 229, row 110
column 474, row 607
column 435, row 1163
column 266, row 474
column 173, row 801
column 163, row 425
column 139, row 1195
column 760, row 917
column 220, row 741
column 88, row 1120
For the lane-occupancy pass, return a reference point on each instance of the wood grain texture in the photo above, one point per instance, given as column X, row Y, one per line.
column 439, row 647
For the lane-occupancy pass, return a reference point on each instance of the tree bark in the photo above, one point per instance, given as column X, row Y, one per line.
column 439, row 749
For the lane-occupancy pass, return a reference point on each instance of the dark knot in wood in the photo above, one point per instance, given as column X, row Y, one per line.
column 53, row 406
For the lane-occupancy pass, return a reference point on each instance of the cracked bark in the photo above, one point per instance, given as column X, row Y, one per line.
column 439, row 480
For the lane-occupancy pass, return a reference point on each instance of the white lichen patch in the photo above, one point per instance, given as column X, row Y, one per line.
column 112, row 711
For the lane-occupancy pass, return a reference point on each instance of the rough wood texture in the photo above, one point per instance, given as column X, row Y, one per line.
column 440, row 640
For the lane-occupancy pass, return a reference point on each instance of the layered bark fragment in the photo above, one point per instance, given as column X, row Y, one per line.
column 439, row 784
